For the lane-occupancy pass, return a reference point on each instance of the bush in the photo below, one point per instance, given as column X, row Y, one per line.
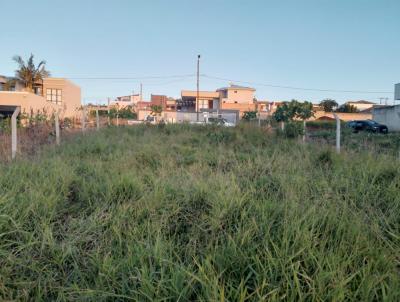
column 291, row 130
column 249, row 115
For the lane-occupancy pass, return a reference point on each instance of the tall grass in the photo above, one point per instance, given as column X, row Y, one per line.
column 180, row 213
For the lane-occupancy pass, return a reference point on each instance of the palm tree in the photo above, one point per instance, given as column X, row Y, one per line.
column 28, row 73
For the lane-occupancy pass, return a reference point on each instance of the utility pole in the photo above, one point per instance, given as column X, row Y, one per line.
column 197, row 96
column 385, row 99
column 141, row 92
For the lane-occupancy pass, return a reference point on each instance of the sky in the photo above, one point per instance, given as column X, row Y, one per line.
column 345, row 45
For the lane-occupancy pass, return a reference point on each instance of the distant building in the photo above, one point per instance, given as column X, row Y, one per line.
column 234, row 97
column 237, row 97
column 125, row 101
column 166, row 103
column 361, row 105
column 206, row 100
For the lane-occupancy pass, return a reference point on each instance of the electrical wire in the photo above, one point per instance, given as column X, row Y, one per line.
column 294, row 88
column 133, row 78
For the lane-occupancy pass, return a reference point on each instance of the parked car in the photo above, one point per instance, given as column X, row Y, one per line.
column 368, row 125
column 214, row 121
column 152, row 119
column 220, row 121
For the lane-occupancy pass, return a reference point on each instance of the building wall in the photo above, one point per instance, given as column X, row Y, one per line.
column 142, row 114
column 343, row 116
column 389, row 116
column 361, row 106
column 71, row 95
column 159, row 100
column 124, row 101
column 240, row 107
column 241, row 96
column 29, row 102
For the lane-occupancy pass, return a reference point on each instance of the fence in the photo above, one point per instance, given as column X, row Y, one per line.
column 26, row 139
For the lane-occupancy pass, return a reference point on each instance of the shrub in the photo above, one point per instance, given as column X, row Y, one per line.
column 291, row 130
column 249, row 115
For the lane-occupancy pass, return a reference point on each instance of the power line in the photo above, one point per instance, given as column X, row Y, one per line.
column 293, row 88
column 133, row 78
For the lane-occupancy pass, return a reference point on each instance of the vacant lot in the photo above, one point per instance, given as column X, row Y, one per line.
column 195, row 213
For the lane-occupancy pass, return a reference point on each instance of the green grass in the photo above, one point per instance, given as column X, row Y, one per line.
column 180, row 213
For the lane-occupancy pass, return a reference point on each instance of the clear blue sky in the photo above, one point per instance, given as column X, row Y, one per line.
column 325, row 44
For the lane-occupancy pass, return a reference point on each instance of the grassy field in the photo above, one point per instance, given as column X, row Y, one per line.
column 182, row 213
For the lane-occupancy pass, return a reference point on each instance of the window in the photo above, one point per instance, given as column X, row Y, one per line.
column 54, row 95
column 235, row 91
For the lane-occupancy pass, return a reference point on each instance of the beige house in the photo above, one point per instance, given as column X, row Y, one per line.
column 53, row 94
column 234, row 97
column 361, row 105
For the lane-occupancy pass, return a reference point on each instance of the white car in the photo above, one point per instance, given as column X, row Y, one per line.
column 219, row 121
column 214, row 121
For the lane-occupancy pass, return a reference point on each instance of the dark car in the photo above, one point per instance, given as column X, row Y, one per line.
column 367, row 125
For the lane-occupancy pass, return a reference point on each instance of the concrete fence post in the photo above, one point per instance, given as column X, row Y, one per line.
column 14, row 132
column 337, row 132
column 97, row 119
column 57, row 125
column 83, row 118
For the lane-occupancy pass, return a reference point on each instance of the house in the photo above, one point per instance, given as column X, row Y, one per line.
column 166, row 103
column 361, row 105
column 237, row 97
column 125, row 101
column 343, row 116
column 233, row 97
column 204, row 101
column 388, row 115
column 48, row 96
column 321, row 114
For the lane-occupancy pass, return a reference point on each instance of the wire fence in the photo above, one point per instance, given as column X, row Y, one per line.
column 32, row 134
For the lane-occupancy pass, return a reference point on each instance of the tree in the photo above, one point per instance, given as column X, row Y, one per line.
column 283, row 114
column 28, row 73
column 304, row 112
column 289, row 111
column 329, row 105
column 347, row 108
column 249, row 115
column 156, row 109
